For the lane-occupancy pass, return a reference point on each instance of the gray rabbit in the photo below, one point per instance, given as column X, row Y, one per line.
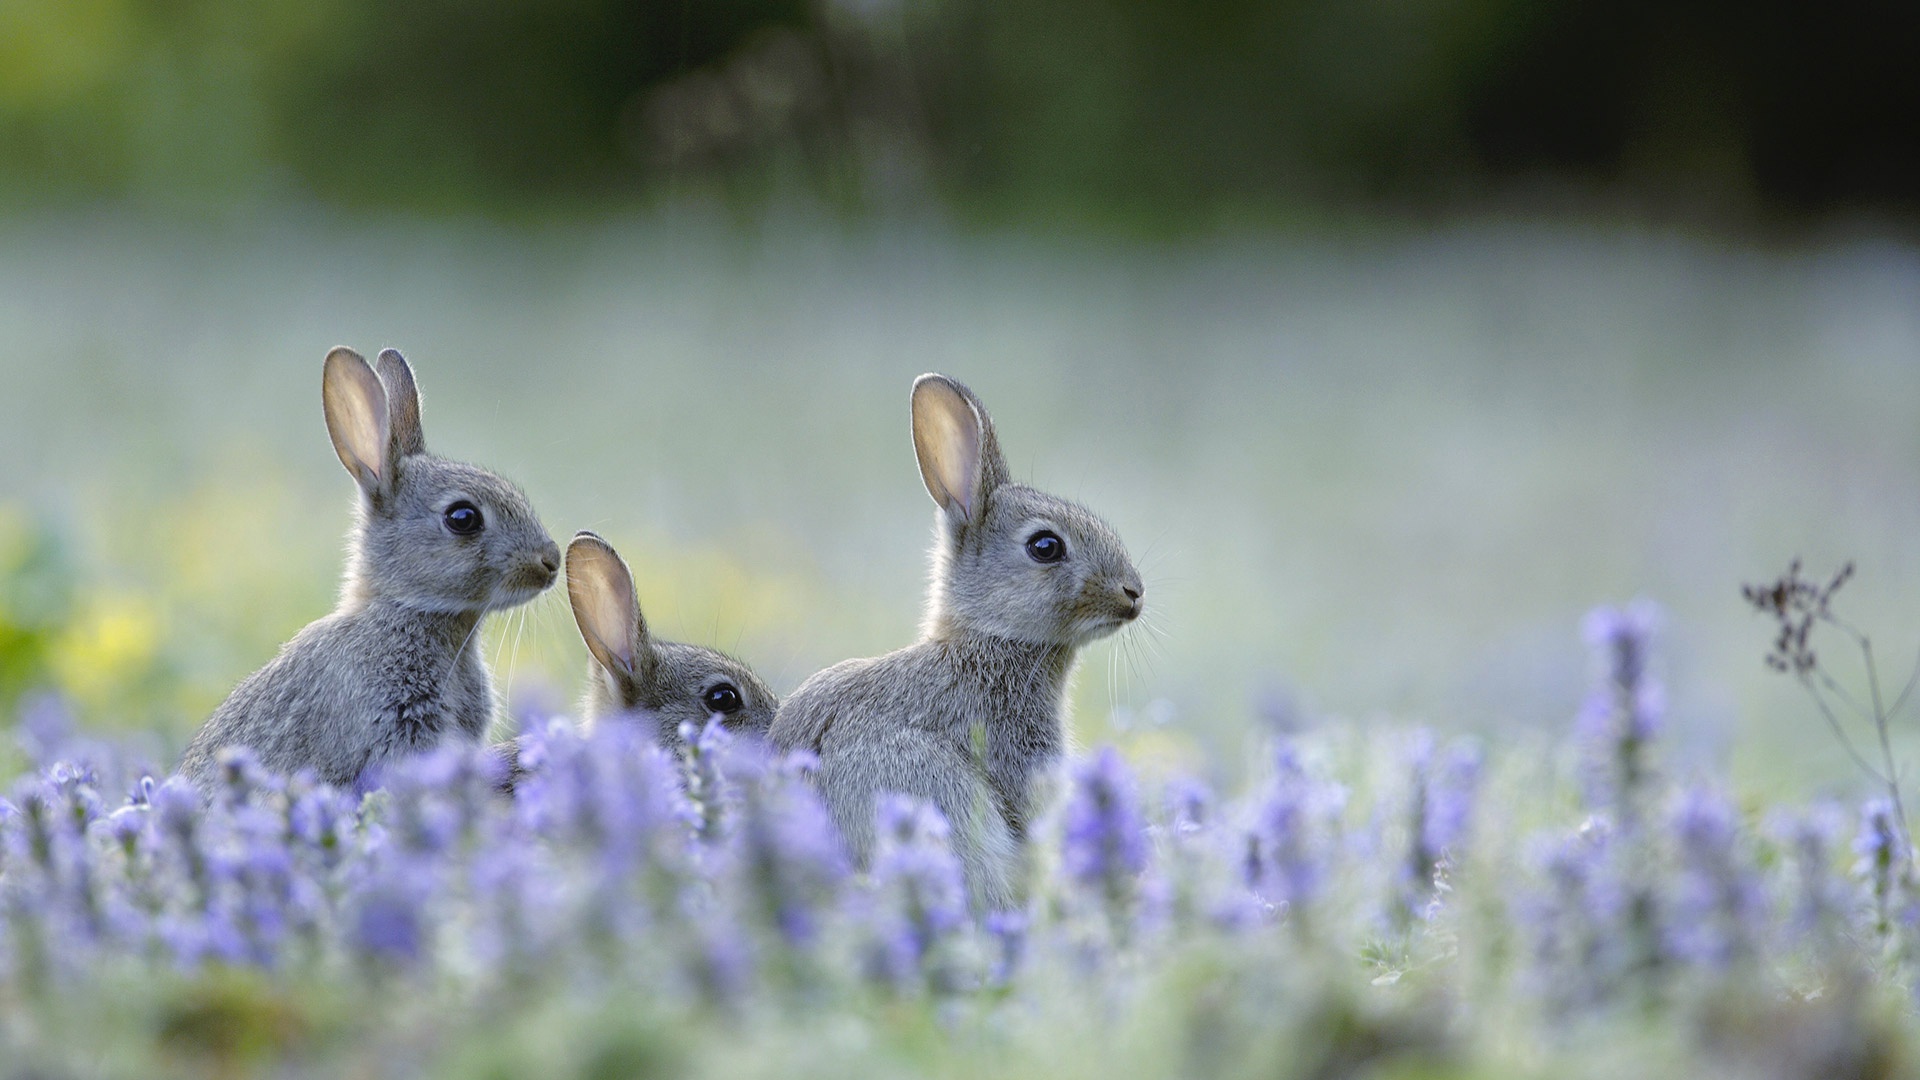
column 635, row 673
column 396, row 668
column 970, row 717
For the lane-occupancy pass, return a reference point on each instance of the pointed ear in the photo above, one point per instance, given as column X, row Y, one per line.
column 953, row 438
column 356, row 407
column 600, row 587
column 403, row 403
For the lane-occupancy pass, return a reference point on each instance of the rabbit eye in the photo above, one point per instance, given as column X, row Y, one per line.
column 723, row 698
column 463, row 518
column 1046, row 547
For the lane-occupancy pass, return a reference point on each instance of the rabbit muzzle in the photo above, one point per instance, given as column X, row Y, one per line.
column 1104, row 610
column 1134, row 592
column 529, row 580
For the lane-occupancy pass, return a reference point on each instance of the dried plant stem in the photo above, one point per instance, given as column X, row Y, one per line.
column 1840, row 733
column 1880, row 719
column 1797, row 606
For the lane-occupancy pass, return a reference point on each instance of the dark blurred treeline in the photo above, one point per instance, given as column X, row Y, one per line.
column 1177, row 110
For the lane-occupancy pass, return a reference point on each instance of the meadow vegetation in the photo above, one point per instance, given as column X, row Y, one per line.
column 1389, row 905
column 1374, row 480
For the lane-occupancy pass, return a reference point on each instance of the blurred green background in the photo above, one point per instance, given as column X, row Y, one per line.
column 1154, row 113
column 1392, row 336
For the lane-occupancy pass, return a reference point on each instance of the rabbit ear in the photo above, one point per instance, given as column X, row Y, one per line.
column 403, row 403
column 356, row 407
column 600, row 587
column 953, row 437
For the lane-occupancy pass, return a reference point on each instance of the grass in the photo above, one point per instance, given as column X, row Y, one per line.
column 1378, row 473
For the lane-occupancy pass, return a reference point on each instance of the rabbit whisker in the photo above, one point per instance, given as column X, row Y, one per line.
column 460, row 650
column 500, row 652
column 1113, row 701
column 513, row 660
column 1148, row 650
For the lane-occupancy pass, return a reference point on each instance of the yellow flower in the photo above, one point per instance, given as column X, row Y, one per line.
column 107, row 650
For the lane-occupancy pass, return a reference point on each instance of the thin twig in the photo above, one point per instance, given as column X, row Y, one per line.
column 1833, row 686
column 1833, row 722
column 1886, row 744
column 1796, row 605
column 1906, row 691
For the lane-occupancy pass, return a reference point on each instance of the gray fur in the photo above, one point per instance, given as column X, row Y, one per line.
column 396, row 668
column 971, row 716
column 633, row 676
column 665, row 681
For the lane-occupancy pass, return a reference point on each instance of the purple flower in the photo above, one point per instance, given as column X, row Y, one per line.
column 321, row 819
column 614, row 789
column 520, row 893
column 784, row 855
column 1105, row 834
column 706, row 781
column 1573, row 919
column 1622, row 714
column 1440, row 807
column 919, row 897
column 241, row 775
column 1452, row 789
column 716, row 957
column 1190, row 806
column 1007, row 930
column 1283, row 861
column 1818, row 911
column 388, row 926
column 1718, row 907
column 1885, row 865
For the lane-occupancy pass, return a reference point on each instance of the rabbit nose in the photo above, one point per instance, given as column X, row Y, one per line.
column 1132, row 591
column 550, row 558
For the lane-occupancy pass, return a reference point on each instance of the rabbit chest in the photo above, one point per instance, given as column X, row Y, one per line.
column 1012, row 714
column 426, row 682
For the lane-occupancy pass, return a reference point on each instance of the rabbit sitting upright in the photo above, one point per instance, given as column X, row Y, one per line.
column 970, row 717
column 396, row 668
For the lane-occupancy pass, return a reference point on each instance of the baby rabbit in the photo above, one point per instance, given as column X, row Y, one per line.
column 970, row 716
column 633, row 673
column 396, row 668
column 662, row 684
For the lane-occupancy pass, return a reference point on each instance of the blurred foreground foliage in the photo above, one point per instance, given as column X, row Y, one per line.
column 1159, row 110
column 36, row 604
column 68, row 643
column 138, row 616
column 1374, row 904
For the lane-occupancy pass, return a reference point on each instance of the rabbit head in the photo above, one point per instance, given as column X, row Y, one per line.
column 432, row 535
column 633, row 672
column 1009, row 561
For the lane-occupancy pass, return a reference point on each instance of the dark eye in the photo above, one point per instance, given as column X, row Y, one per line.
column 463, row 518
column 722, row 698
column 1046, row 547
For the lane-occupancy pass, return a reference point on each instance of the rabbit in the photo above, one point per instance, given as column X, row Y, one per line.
column 633, row 675
column 396, row 668
column 971, row 716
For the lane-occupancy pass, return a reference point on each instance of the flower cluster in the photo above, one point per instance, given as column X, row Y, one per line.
column 711, row 882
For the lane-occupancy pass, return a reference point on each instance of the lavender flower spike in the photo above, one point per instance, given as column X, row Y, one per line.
column 1106, row 833
column 1622, row 715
